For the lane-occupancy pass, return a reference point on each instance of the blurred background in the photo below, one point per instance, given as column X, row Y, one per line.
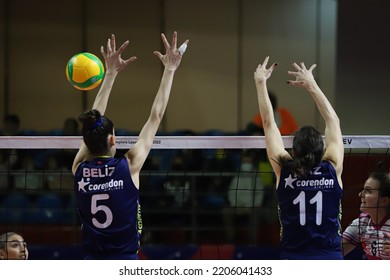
column 185, row 193
column 214, row 87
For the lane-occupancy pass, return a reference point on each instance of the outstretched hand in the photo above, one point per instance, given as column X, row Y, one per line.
column 303, row 77
column 173, row 55
column 262, row 73
column 113, row 58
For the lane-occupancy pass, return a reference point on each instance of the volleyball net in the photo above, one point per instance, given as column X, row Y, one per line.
column 216, row 191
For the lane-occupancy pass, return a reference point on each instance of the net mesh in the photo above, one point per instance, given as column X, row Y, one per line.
column 208, row 194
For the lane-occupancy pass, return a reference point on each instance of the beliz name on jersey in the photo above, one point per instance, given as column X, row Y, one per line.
column 98, row 172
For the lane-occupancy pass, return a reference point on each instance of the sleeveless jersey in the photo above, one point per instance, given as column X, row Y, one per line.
column 363, row 232
column 310, row 214
column 108, row 204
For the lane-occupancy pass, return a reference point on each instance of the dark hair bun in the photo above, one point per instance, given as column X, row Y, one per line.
column 89, row 118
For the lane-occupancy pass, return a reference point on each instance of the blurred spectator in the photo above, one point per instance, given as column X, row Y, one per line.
column 71, row 127
column 66, row 156
column 11, row 159
column 56, row 179
column 211, row 193
column 177, row 186
column 283, row 118
column 245, row 196
column 13, row 247
column 4, row 171
column 214, row 187
column 27, row 178
column 11, row 125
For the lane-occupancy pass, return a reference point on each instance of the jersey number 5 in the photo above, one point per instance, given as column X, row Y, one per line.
column 96, row 208
column 301, row 201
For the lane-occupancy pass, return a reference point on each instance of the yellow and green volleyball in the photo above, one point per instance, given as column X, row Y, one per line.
column 85, row 71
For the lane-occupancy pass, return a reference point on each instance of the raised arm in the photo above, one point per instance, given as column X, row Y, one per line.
column 273, row 138
column 114, row 64
column 140, row 150
column 333, row 138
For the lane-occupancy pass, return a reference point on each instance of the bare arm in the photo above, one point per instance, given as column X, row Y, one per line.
column 140, row 150
column 114, row 64
column 273, row 138
column 333, row 138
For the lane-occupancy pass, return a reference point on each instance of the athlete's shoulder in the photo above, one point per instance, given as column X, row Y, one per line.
column 327, row 163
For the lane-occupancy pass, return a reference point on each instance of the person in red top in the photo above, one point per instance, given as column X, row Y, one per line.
column 284, row 119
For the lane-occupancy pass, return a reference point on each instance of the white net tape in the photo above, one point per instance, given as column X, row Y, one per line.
column 189, row 201
column 183, row 142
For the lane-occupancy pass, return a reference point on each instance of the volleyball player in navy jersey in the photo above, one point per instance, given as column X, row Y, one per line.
column 106, row 187
column 308, row 181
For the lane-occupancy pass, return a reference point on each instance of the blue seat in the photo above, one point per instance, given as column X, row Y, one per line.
column 14, row 208
column 47, row 210
column 69, row 215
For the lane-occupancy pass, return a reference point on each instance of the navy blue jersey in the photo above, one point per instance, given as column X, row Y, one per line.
column 310, row 214
column 109, row 208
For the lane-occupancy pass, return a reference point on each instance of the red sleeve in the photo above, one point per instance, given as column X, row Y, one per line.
column 257, row 120
column 289, row 124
